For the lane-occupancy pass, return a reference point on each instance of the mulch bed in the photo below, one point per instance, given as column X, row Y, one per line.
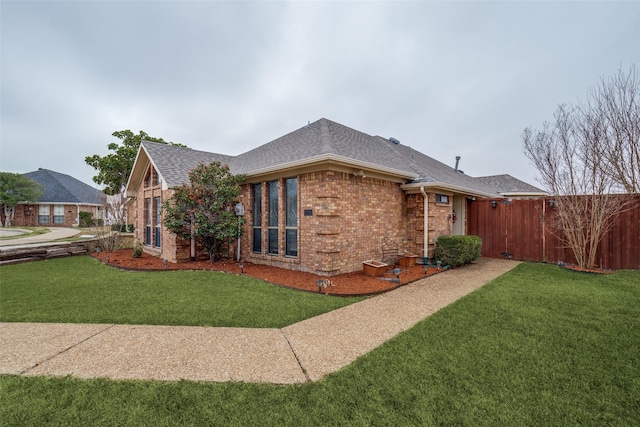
column 578, row 269
column 348, row 284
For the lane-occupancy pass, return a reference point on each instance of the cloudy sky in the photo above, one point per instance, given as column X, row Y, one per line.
column 447, row 78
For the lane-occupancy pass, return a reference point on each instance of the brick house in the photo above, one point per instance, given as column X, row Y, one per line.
column 63, row 199
column 323, row 198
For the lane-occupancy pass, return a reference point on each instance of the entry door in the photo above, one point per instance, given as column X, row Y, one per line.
column 460, row 208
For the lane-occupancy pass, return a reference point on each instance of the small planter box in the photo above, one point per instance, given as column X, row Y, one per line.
column 407, row 260
column 374, row 268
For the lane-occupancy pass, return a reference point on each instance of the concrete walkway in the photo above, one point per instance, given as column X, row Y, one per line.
column 56, row 233
column 305, row 351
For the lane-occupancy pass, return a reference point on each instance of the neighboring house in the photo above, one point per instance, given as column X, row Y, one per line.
column 63, row 199
column 511, row 187
column 321, row 199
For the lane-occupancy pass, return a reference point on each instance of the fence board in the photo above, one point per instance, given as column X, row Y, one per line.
column 520, row 229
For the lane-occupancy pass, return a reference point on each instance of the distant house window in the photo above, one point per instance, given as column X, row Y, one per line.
column 291, row 217
column 442, row 198
column 273, row 217
column 257, row 218
column 43, row 214
column 147, row 221
column 157, row 208
column 58, row 214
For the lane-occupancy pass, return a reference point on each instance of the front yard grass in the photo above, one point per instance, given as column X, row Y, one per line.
column 83, row 290
column 538, row 346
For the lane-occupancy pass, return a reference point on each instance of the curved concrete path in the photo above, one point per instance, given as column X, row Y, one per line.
column 305, row 351
column 55, row 233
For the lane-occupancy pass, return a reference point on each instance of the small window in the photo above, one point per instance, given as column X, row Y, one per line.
column 442, row 198
column 43, row 214
column 58, row 214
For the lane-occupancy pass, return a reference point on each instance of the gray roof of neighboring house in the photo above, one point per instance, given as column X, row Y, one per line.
column 61, row 188
column 506, row 184
column 320, row 140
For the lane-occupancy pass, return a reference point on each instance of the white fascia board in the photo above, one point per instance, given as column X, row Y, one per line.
column 524, row 194
column 415, row 186
column 132, row 192
column 359, row 164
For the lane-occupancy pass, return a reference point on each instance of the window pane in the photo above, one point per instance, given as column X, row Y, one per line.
column 291, row 243
column 257, row 240
column 291, row 186
column 147, row 221
column 257, row 205
column 273, row 241
column 43, row 214
column 157, row 237
column 273, row 204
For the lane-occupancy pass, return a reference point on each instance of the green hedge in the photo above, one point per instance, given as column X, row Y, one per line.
column 458, row 250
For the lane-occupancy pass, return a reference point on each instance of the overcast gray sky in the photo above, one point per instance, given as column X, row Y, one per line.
column 446, row 78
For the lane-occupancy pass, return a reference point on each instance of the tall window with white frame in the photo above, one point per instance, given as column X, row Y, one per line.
column 43, row 214
column 157, row 209
column 272, row 225
column 147, row 221
column 257, row 218
column 291, row 217
column 58, row 214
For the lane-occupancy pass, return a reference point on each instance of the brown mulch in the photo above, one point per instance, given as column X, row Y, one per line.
column 348, row 284
column 579, row 269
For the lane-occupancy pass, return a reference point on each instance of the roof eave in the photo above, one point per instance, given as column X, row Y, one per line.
column 415, row 187
column 524, row 194
column 324, row 158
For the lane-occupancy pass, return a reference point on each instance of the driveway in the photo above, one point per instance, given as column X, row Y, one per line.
column 56, row 233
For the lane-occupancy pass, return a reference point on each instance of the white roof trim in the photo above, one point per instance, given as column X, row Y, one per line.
column 448, row 187
column 332, row 157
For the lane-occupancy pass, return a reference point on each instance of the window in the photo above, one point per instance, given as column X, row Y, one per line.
column 58, row 214
column 43, row 214
column 291, row 217
column 147, row 179
column 147, row 221
column 257, row 218
column 273, row 217
column 157, row 208
column 442, row 198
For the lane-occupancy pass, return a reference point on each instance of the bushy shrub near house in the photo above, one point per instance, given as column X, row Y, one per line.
column 458, row 250
column 86, row 219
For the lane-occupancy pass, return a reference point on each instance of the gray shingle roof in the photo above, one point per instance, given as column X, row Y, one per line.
column 174, row 163
column 317, row 141
column 506, row 184
column 61, row 188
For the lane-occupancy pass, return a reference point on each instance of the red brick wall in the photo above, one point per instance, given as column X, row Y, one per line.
column 350, row 218
column 27, row 215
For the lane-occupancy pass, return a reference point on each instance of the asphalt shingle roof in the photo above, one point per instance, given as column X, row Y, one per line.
column 321, row 139
column 174, row 163
column 508, row 184
column 61, row 188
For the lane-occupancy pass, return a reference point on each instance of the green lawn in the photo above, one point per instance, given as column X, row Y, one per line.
column 83, row 290
column 539, row 346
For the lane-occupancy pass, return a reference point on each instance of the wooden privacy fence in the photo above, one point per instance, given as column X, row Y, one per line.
column 521, row 229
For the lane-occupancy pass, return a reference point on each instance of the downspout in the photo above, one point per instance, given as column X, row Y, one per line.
column 426, row 222
column 78, row 214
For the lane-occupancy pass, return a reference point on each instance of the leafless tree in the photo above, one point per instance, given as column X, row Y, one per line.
column 615, row 105
column 587, row 158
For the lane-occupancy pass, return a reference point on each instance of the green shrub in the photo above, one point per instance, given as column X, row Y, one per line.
column 137, row 250
column 458, row 250
column 86, row 218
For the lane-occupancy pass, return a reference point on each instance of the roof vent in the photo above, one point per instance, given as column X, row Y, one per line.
column 395, row 141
